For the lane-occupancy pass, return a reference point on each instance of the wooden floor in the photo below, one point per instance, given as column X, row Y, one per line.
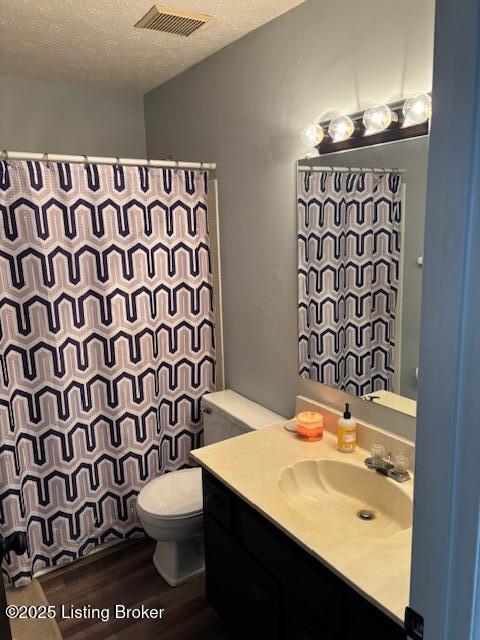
column 127, row 576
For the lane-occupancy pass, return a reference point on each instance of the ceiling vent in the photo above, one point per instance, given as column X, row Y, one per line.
column 182, row 23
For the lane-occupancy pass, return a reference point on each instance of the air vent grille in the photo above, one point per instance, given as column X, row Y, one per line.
column 182, row 23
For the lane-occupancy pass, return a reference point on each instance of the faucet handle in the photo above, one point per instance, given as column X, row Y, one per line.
column 377, row 451
column 401, row 463
column 377, row 460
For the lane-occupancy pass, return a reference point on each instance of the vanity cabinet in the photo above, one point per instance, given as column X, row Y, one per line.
column 266, row 586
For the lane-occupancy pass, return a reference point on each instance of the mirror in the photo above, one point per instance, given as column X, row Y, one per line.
column 361, row 219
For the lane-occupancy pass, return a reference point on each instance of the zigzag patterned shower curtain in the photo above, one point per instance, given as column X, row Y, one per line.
column 348, row 274
column 106, row 347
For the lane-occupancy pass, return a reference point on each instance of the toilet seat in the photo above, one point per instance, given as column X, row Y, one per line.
column 175, row 495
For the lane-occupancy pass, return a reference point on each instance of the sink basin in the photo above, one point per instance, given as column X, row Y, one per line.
column 335, row 493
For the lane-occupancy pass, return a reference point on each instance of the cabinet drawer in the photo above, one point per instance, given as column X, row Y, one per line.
column 217, row 501
column 243, row 592
column 302, row 576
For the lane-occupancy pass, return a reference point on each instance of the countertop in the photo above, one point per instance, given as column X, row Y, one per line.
column 250, row 465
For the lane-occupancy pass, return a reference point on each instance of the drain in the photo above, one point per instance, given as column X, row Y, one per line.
column 365, row 514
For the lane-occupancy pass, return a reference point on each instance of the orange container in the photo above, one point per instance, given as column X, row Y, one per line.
column 310, row 425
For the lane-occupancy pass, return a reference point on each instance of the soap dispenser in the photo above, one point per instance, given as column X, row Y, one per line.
column 347, row 432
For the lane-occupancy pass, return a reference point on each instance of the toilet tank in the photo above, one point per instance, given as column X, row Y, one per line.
column 227, row 414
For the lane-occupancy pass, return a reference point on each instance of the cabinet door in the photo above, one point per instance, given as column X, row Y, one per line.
column 301, row 575
column 243, row 592
column 302, row 624
column 366, row 621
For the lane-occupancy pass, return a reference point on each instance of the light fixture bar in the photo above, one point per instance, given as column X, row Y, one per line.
column 390, row 122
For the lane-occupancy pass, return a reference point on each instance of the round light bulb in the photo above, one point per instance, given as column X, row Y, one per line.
column 417, row 109
column 377, row 118
column 341, row 128
column 312, row 135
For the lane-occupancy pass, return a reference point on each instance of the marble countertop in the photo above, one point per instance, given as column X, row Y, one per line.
column 250, row 465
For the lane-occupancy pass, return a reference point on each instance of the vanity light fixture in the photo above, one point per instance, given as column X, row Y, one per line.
column 379, row 124
column 341, row 128
column 417, row 109
column 312, row 135
column 378, row 118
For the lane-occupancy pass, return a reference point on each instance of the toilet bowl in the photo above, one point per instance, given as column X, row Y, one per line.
column 170, row 507
column 170, row 510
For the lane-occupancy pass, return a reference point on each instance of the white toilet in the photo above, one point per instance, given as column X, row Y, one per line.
column 170, row 507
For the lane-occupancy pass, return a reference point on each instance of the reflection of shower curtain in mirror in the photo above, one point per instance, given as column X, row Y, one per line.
column 106, row 347
column 348, row 274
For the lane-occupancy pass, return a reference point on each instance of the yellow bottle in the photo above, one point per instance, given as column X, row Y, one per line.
column 347, row 432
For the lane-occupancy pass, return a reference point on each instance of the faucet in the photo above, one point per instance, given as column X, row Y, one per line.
column 397, row 471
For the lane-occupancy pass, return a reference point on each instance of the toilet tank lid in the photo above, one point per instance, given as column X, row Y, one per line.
column 240, row 409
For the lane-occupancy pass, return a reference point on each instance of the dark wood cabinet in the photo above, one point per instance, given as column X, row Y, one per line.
column 364, row 615
column 266, row 586
column 302, row 624
column 241, row 590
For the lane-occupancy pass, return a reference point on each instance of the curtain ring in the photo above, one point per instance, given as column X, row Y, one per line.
column 46, row 161
column 117, row 163
column 85, row 161
column 5, row 157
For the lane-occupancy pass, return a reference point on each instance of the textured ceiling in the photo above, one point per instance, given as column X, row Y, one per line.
column 94, row 42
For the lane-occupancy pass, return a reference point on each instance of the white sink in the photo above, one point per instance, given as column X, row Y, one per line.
column 333, row 493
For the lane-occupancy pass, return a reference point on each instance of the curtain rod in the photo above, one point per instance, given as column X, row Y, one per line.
column 131, row 162
column 349, row 169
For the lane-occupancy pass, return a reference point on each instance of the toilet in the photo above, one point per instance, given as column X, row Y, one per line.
column 170, row 507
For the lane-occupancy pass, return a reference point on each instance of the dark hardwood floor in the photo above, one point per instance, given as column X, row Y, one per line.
column 126, row 575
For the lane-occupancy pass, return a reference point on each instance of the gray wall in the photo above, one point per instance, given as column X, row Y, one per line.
column 412, row 157
column 244, row 108
column 46, row 117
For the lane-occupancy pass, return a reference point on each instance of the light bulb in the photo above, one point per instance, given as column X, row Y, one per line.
column 341, row 128
column 378, row 118
column 417, row 109
column 312, row 135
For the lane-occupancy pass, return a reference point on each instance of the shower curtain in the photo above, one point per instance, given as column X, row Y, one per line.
column 106, row 347
column 348, row 256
